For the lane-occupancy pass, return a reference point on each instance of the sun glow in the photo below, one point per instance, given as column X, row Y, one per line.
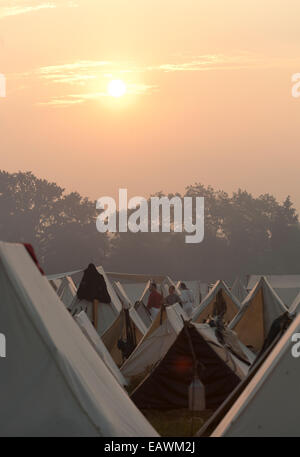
column 116, row 88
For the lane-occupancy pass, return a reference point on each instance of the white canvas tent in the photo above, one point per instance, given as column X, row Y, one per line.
column 134, row 284
column 90, row 332
column 55, row 283
column 140, row 306
column 287, row 287
column 206, row 307
column 239, row 290
column 134, row 290
column 194, row 287
column 136, row 319
column 126, row 278
column 67, row 291
column 156, row 342
column 166, row 283
column 259, row 310
column 269, row 405
column 138, row 315
column 118, row 331
column 114, row 297
column 204, row 289
column 53, row 383
column 198, row 288
column 236, row 364
column 295, row 306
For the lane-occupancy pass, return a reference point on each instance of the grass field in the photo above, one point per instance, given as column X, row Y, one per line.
column 176, row 422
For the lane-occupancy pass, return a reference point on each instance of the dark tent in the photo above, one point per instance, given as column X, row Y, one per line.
column 168, row 385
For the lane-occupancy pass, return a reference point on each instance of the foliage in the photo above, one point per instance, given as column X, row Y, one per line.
column 243, row 234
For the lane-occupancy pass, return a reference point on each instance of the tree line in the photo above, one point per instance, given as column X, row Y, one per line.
column 243, row 234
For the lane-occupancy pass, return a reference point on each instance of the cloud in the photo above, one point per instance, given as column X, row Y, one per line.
column 210, row 62
column 75, row 99
column 63, row 102
column 73, row 73
column 24, row 7
column 16, row 10
column 91, row 76
column 207, row 62
column 84, row 70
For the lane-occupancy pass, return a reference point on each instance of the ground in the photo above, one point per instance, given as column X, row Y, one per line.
column 176, row 422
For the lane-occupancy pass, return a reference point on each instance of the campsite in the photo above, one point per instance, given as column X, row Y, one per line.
column 97, row 362
column 149, row 223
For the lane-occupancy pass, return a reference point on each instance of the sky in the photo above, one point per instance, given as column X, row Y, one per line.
column 208, row 94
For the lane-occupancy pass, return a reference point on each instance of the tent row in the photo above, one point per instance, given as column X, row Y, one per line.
column 250, row 319
column 73, row 347
column 171, row 346
column 161, row 336
column 287, row 287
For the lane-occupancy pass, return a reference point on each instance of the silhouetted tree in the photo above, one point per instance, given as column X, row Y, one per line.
column 243, row 234
column 60, row 226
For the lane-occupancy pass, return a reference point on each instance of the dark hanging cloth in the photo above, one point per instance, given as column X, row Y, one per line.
column 278, row 327
column 32, row 254
column 127, row 346
column 220, row 306
column 93, row 286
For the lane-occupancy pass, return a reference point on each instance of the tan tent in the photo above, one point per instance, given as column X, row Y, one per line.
column 287, row 287
column 206, row 307
column 111, row 337
column 259, row 309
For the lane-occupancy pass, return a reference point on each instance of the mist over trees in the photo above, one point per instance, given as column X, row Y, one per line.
column 243, row 234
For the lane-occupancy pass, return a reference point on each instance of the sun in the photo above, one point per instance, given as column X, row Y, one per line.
column 116, row 88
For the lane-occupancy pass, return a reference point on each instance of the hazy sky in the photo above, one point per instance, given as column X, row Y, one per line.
column 208, row 94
